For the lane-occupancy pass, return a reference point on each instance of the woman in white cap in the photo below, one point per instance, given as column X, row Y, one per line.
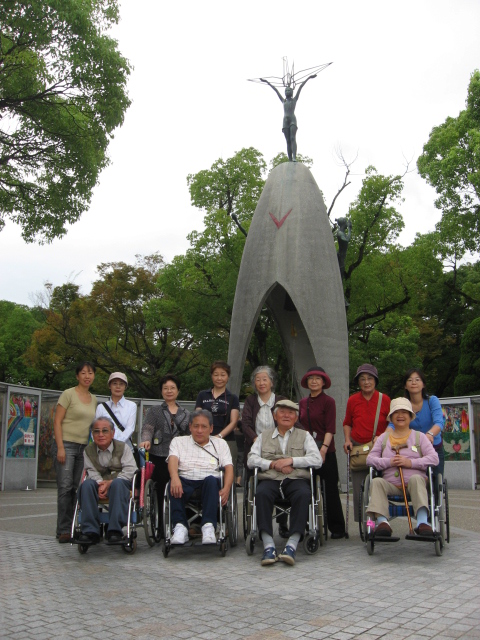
column 365, row 419
column 123, row 412
column 317, row 416
column 413, row 452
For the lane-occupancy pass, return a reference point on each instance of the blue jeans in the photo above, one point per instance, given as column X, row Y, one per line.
column 118, row 499
column 210, row 487
column 68, row 479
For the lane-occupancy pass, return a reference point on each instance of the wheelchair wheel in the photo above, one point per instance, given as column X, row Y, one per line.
column 130, row 547
column 223, row 549
column 167, row 534
column 250, row 544
column 247, row 507
column 364, row 491
column 439, row 546
column 319, row 515
column 447, row 517
column 82, row 548
column 311, row 544
column 370, row 547
column 325, row 516
column 150, row 513
column 232, row 519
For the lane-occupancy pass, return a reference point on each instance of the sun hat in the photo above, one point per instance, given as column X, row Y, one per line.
column 286, row 403
column 118, row 376
column 316, row 371
column 366, row 368
column 401, row 403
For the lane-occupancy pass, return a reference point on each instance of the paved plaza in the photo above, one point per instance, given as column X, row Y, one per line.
column 404, row 590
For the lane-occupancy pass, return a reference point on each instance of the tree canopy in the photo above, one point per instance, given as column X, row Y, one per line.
column 62, row 94
column 450, row 162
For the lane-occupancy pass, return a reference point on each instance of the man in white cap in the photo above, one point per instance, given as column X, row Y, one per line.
column 283, row 455
column 123, row 412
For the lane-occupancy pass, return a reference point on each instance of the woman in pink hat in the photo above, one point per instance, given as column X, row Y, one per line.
column 317, row 416
column 365, row 419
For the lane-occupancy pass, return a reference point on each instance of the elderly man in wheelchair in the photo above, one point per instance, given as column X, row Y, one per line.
column 283, row 455
column 195, row 462
column 403, row 456
column 109, row 466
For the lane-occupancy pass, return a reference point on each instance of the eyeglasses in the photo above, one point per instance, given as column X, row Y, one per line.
column 414, row 380
column 365, row 378
column 103, row 432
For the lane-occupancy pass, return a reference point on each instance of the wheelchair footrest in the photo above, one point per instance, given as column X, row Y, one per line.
column 385, row 539
column 422, row 538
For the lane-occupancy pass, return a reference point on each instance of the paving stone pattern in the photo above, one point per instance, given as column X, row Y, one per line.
column 402, row 591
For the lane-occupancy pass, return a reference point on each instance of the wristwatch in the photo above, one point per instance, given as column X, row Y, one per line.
column 430, row 433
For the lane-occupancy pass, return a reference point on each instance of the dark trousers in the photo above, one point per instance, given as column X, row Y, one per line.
column 161, row 477
column 69, row 475
column 118, row 499
column 297, row 492
column 329, row 473
column 210, row 487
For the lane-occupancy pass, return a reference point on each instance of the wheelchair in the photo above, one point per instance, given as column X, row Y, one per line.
column 227, row 523
column 142, row 512
column 316, row 532
column 438, row 506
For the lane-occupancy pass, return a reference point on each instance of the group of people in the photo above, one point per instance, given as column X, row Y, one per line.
column 282, row 439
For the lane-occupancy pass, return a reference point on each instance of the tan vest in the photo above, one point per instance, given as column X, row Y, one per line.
column 271, row 450
column 115, row 465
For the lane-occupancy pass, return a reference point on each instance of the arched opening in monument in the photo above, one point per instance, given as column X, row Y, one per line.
column 279, row 339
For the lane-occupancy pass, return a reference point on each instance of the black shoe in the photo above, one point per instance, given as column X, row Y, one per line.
column 283, row 531
column 337, row 536
column 89, row 538
column 114, row 537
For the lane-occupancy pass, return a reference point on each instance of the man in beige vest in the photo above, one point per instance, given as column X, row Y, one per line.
column 110, row 466
column 283, row 455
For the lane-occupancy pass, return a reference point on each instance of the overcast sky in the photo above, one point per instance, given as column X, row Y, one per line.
column 399, row 68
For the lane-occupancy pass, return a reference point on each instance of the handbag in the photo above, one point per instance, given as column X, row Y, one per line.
column 359, row 452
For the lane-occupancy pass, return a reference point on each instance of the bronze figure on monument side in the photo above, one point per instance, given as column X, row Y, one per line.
column 289, row 80
column 344, row 235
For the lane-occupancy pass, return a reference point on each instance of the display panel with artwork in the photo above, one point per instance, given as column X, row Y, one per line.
column 456, row 434
column 22, row 425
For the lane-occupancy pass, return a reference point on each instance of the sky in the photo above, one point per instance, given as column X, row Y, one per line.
column 399, row 69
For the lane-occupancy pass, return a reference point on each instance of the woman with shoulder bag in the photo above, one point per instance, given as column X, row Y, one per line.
column 162, row 424
column 365, row 419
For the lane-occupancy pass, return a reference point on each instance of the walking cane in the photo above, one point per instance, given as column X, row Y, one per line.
column 397, row 449
column 348, row 493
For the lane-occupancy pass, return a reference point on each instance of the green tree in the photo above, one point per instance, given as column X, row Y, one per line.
column 62, row 94
column 467, row 381
column 17, row 325
column 450, row 162
column 109, row 327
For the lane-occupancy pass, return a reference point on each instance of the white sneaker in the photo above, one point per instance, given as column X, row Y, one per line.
column 208, row 534
column 180, row 534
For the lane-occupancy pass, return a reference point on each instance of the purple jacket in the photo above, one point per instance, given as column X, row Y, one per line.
column 420, row 461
